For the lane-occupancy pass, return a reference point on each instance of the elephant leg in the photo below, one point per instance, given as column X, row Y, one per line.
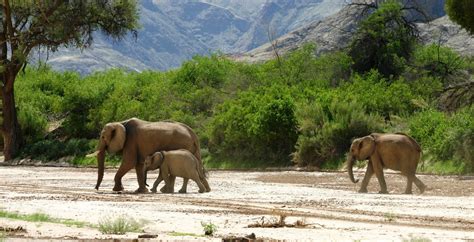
column 408, row 189
column 156, row 183
column 185, row 186
column 199, row 184
column 378, row 169
column 419, row 184
column 206, row 184
column 123, row 169
column 139, row 168
column 365, row 181
column 169, row 184
column 146, row 173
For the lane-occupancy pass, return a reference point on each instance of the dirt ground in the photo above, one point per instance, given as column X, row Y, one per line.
column 326, row 203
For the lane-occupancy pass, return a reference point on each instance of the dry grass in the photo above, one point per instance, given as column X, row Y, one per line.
column 278, row 222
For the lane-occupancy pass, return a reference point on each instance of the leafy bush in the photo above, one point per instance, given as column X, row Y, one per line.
column 327, row 131
column 378, row 96
column 209, row 228
column 438, row 61
column 33, row 122
column 384, row 41
column 446, row 138
column 120, row 225
column 257, row 125
column 55, row 149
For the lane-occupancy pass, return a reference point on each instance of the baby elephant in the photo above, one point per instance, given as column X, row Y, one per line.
column 175, row 163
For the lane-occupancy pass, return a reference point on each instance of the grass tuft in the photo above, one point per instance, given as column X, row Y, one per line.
column 120, row 225
column 174, row 233
column 41, row 217
column 209, row 228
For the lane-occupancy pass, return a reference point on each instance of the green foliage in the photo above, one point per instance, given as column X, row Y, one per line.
column 327, row 131
column 258, row 125
column 33, row 122
column 461, row 12
column 120, row 225
column 384, row 41
column 209, row 228
column 55, row 149
column 301, row 106
column 438, row 61
column 40, row 217
column 446, row 138
column 374, row 93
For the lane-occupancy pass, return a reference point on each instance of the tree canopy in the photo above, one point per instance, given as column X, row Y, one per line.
column 461, row 12
column 384, row 41
column 27, row 24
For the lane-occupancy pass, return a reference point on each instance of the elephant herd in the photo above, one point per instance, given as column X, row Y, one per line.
column 174, row 148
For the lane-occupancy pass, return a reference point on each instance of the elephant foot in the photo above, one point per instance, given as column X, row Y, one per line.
column 182, row 190
column 118, row 188
column 408, row 192
column 383, row 192
column 153, row 190
column 202, row 191
column 141, row 190
column 363, row 190
column 165, row 189
column 422, row 189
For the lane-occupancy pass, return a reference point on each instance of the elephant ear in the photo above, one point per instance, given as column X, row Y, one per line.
column 159, row 158
column 117, row 137
column 366, row 147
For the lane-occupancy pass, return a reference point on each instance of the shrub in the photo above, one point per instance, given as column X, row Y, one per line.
column 327, row 131
column 203, row 71
column 438, row 61
column 446, row 138
column 33, row 122
column 209, row 228
column 55, row 149
column 258, row 125
column 384, row 41
column 378, row 96
column 119, row 225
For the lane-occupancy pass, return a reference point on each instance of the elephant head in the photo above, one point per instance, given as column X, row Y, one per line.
column 154, row 161
column 112, row 139
column 361, row 149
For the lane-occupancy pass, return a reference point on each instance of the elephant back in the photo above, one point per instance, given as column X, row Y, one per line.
column 412, row 140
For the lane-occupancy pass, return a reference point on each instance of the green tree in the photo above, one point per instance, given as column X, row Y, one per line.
column 384, row 41
column 27, row 24
column 461, row 12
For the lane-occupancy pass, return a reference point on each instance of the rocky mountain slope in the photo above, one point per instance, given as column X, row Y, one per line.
column 334, row 33
column 174, row 31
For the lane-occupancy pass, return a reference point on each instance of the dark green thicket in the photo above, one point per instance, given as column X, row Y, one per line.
column 384, row 41
column 461, row 12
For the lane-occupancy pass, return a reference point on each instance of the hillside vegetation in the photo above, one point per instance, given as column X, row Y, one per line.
column 296, row 109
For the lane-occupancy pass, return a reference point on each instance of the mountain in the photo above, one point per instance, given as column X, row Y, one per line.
column 335, row 32
column 175, row 31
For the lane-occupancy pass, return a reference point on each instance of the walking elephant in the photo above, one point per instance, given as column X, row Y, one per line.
column 175, row 163
column 397, row 151
column 137, row 139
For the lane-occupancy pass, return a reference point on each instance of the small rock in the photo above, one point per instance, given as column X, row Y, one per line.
column 147, row 236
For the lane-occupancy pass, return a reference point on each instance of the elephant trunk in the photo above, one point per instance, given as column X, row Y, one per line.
column 350, row 164
column 101, row 165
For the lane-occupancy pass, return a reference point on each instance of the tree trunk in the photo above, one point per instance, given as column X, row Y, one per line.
column 11, row 131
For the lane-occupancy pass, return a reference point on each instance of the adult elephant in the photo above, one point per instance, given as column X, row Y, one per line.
column 397, row 151
column 137, row 139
